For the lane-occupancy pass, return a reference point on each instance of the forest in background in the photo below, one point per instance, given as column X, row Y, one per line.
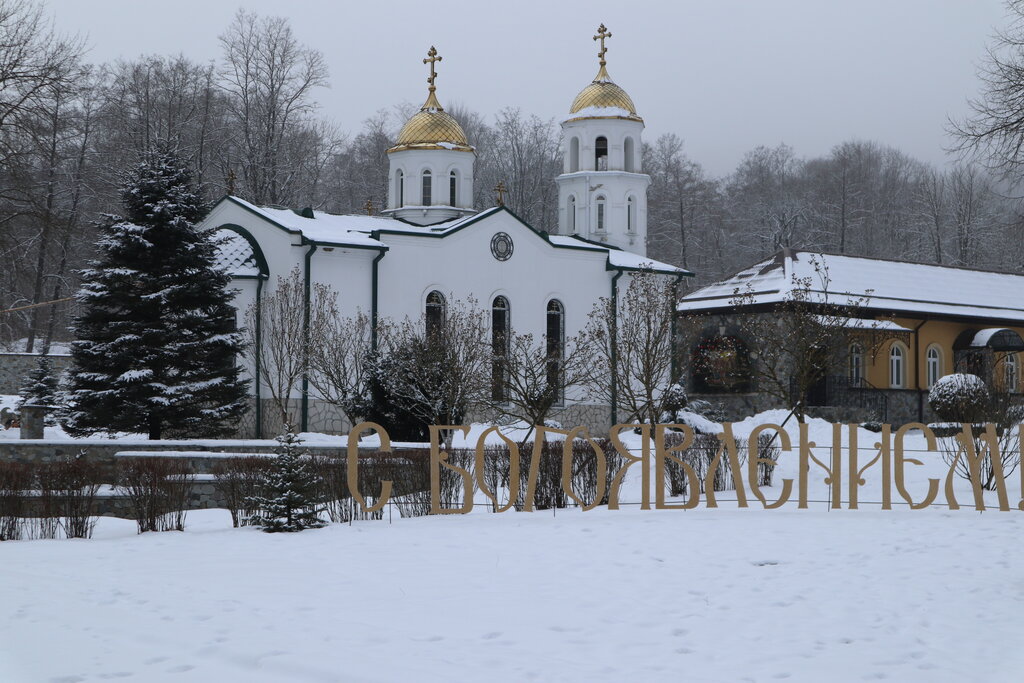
column 249, row 124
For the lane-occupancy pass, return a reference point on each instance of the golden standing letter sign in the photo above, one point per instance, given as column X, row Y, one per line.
column 973, row 455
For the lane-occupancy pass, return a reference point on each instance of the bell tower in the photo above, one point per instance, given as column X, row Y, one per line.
column 602, row 192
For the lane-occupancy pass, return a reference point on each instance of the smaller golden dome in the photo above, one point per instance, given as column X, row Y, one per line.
column 431, row 128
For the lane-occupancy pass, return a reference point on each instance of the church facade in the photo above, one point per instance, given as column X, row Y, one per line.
column 431, row 246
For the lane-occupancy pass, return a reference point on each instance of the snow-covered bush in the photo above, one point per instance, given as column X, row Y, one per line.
column 960, row 398
column 672, row 401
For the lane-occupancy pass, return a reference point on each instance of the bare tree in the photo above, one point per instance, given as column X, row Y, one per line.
column 995, row 129
column 632, row 343
column 339, row 349
column 799, row 341
column 269, row 78
column 531, row 378
column 438, row 370
column 280, row 348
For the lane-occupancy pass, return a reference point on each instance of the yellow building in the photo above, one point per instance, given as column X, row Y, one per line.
column 910, row 325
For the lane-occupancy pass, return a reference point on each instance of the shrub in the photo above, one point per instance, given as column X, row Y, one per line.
column 15, row 482
column 239, row 481
column 157, row 490
column 960, row 398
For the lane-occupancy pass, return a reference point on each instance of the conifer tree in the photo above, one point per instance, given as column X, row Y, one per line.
column 156, row 341
column 289, row 501
column 41, row 388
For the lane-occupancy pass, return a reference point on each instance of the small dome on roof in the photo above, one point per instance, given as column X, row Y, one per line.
column 432, row 127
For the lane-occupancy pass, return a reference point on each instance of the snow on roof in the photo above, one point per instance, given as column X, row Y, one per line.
column 884, row 285
column 864, row 324
column 617, row 258
column 598, row 112
column 326, row 227
column 235, row 254
column 354, row 230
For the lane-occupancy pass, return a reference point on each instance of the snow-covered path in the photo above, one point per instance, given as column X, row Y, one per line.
column 629, row 595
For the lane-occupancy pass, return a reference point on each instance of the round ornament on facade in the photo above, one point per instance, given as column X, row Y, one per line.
column 501, row 246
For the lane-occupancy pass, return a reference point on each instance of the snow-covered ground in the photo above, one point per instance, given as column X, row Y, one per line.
column 628, row 595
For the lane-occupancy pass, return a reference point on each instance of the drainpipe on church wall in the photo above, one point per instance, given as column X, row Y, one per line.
column 259, row 353
column 615, row 347
column 305, row 336
column 374, row 298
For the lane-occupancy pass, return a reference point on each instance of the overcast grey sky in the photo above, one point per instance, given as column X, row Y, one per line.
column 725, row 75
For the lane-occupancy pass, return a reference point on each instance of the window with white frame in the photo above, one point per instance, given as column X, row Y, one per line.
column 897, row 366
column 856, row 365
column 933, row 365
column 1010, row 372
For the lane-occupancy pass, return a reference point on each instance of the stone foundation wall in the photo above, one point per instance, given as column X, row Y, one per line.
column 15, row 368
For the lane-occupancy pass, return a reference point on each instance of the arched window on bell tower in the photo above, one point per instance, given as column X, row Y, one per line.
column 453, row 189
column 570, row 217
column 574, row 155
column 629, row 152
column 601, row 154
column 631, row 214
column 599, row 206
column 426, row 199
column 399, row 189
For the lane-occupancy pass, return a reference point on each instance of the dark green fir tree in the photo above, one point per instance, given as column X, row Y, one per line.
column 155, row 343
column 41, row 388
column 289, row 502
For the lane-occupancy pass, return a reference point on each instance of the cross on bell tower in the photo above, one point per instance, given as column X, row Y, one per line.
column 602, row 33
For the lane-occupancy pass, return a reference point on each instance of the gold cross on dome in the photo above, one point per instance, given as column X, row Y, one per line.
column 602, row 33
column 369, row 207
column 501, row 190
column 432, row 57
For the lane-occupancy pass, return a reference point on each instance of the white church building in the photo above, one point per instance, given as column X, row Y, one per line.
column 432, row 246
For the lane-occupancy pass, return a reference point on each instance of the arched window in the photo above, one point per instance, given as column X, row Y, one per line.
column 897, row 366
column 856, row 365
column 426, row 189
column 627, row 149
column 600, row 213
column 601, row 154
column 555, row 347
column 574, row 155
column 399, row 190
column 435, row 313
column 453, row 189
column 500, row 345
column 933, row 365
column 1010, row 373
column 570, row 215
column 631, row 214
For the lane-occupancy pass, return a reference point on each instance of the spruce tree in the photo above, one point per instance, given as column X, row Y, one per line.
column 41, row 388
column 289, row 500
column 156, row 341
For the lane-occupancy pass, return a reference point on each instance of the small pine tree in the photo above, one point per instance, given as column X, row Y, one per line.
column 41, row 388
column 289, row 502
column 156, row 341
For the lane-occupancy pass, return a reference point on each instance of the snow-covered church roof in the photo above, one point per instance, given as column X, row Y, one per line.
column 889, row 286
column 371, row 232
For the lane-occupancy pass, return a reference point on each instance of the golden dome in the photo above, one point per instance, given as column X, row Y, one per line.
column 432, row 128
column 604, row 94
